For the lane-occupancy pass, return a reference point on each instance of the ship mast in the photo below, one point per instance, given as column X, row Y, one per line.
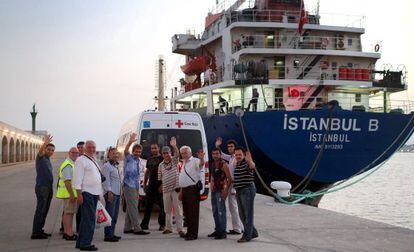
column 160, row 84
column 317, row 9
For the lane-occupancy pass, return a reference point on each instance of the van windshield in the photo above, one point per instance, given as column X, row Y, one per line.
column 162, row 137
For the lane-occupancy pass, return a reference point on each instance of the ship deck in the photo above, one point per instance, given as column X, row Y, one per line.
column 281, row 227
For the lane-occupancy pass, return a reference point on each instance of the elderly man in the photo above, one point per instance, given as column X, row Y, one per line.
column 43, row 188
column 245, row 192
column 168, row 175
column 67, row 192
column 88, row 184
column 232, row 201
column 131, row 187
column 190, row 192
column 112, row 192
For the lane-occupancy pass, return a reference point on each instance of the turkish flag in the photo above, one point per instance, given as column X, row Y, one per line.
column 303, row 18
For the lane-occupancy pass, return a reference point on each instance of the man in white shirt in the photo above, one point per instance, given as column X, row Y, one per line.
column 87, row 181
column 190, row 193
column 232, row 201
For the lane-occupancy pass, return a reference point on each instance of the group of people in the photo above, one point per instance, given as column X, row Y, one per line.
column 172, row 179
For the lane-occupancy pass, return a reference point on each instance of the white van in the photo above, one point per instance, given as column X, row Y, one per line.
column 158, row 127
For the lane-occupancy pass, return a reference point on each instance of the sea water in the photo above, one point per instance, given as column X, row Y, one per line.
column 385, row 196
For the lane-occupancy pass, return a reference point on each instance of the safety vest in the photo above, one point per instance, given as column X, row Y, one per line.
column 62, row 192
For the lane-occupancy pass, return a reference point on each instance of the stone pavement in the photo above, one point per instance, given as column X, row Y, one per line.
column 281, row 227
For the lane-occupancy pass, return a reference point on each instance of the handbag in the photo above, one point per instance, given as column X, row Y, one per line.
column 198, row 184
column 97, row 167
column 103, row 219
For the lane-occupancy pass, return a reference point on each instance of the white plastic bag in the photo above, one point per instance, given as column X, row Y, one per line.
column 103, row 219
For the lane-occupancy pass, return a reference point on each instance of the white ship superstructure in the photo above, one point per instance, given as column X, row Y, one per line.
column 259, row 48
column 317, row 109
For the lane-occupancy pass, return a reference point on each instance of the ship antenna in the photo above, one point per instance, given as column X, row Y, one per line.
column 317, row 9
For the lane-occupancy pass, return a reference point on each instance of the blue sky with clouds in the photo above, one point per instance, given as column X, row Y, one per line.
column 90, row 65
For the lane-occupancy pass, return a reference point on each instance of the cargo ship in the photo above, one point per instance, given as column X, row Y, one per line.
column 297, row 87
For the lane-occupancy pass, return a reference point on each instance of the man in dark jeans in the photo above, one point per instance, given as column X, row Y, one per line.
column 245, row 192
column 87, row 181
column 151, row 187
column 43, row 189
column 220, row 185
column 112, row 192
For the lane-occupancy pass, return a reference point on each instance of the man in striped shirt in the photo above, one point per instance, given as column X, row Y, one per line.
column 245, row 192
column 168, row 175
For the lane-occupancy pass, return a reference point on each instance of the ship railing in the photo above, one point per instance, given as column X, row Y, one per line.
column 293, row 16
column 314, row 103
column 391, row 105
column 271, row 41
column 324, row 71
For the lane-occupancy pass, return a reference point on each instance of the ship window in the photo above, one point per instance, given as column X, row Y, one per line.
column 296, row 63
column 162, row 137
column 349, row 42
column 357, row 97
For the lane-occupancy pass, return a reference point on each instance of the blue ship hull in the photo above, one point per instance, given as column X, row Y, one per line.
column 285, row 144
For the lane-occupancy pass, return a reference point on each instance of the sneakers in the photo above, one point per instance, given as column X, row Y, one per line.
column 128, row 231
column 167, row 231
column 182, row 234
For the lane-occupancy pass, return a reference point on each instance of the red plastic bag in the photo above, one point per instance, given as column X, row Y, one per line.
column 103, row 219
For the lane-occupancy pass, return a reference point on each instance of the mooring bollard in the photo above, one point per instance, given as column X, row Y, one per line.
column 282, row 188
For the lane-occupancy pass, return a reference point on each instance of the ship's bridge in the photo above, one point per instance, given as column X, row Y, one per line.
column 270, row 19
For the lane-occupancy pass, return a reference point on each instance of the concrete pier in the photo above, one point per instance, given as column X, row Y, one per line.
column 281, row 227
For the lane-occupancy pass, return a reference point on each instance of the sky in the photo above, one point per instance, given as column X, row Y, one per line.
column 89, row 65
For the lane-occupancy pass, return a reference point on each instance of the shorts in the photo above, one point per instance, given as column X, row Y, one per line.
column 69, row 207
